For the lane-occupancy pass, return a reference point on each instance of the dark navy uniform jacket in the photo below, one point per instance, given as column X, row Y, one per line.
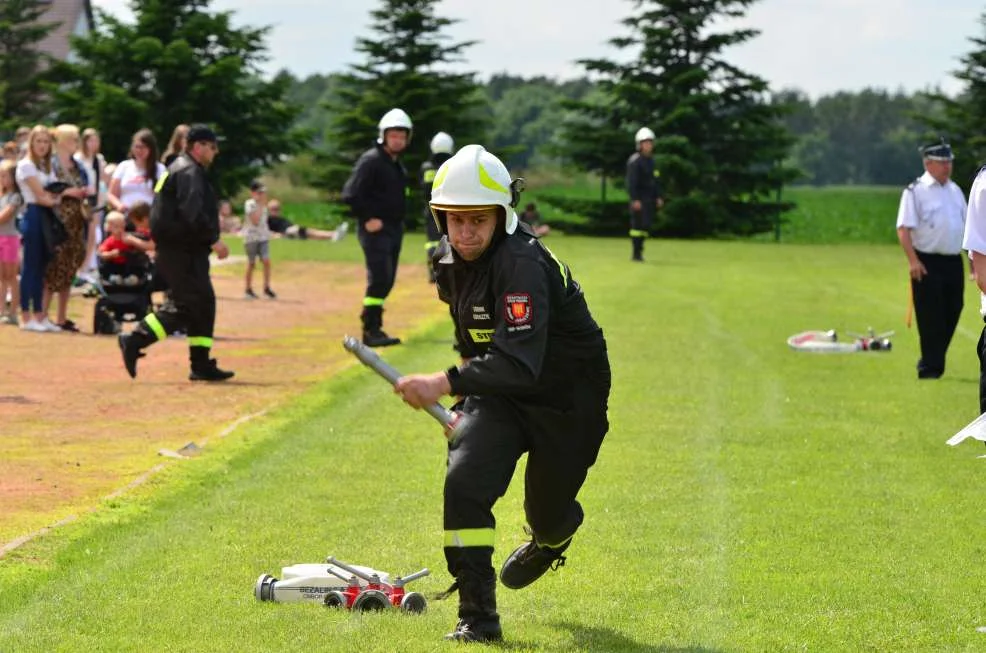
column 520, row 318
column 376, row 188
column 643, row 181
column 428, row 171
column 185, row 213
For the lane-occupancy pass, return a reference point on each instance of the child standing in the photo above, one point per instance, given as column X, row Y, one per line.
column 10, row 242
column 256, row 238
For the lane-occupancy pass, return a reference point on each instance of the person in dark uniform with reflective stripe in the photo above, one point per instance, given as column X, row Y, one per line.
column 535, row 378
column 930, row 225
column 644, row 189
column 375, row 191
column 185, row 229
column 442, row 146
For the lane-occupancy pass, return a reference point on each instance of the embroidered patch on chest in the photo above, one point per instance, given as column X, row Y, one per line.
column 517, row 308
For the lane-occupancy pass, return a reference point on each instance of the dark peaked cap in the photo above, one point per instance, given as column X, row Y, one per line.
column 940, row 151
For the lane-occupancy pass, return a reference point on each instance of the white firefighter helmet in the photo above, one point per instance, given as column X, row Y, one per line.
column 442, row 143
column 394, row 119
column 474, row 179
column 643, row 134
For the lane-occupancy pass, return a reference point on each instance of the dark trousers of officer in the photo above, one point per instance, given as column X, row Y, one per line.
column 193, row 303
column 938, row 299
column 381, row 250
column 981, row 352
column 640, row 224
column 561, row 446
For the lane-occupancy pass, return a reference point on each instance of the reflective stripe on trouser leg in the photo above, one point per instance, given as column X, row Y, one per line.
column 155, row 326
column 373, row 301
column 200, row 341
column 638, row 233
column 464, row 537
column 556, row 545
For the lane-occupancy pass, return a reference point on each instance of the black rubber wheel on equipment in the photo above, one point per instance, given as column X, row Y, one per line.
column 371, row 600
column 335, row 599
column 414, row 602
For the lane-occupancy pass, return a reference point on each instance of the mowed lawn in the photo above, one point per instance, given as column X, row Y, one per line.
column 747, row 498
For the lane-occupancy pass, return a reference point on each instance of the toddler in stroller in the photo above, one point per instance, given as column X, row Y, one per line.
column 125, row 274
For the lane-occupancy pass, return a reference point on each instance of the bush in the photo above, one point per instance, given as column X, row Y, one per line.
column 687, row 217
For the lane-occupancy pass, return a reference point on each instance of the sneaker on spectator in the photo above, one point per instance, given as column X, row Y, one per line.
column 249, row 294
column 270, row 293
column 340, row 231
column 33, row 325
column 48, row 325
column 9, row 318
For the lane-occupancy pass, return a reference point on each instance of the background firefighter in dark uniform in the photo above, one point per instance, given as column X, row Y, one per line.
column 535, row 378
column 375, row 192
column 185, row 228
column 644, row 189
column 441, row 150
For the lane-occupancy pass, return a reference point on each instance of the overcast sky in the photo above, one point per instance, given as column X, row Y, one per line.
column 819, row 46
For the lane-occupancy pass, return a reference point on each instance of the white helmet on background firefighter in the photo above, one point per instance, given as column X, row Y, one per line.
column 643, row 134
column 442, row 143
column 394, row 119
column 474, row 180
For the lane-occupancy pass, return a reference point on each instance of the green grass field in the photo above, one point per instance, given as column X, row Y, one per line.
column 826, row 215
column 747, row 498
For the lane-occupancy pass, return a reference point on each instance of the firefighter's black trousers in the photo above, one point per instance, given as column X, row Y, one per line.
column 938, row 301
column 381, row 250
column 561, row 443
column 193, row 300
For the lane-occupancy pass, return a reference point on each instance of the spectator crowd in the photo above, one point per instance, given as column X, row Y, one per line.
column 68, row 218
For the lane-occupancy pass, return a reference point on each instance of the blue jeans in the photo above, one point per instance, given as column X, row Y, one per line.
column 35, row 259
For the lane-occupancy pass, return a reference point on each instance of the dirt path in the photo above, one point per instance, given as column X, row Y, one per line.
column 74, row 427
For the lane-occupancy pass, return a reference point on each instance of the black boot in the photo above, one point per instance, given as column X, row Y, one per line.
column 529, row 562
column 373, row 333
column 638, row 248
column 131, row 346
column 478, row 620
column 205, row 368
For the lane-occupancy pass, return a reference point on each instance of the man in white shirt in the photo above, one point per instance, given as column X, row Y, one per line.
column 930, row 226
column 975, row 243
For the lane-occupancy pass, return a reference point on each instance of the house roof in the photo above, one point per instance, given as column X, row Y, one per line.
column 67, row 13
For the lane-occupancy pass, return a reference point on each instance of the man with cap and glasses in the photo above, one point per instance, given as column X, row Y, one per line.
column 185, row 228
column 930, row 226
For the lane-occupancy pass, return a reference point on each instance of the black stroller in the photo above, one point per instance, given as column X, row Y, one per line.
column 124, row 291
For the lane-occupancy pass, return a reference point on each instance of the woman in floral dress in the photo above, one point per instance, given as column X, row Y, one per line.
column 74, row 214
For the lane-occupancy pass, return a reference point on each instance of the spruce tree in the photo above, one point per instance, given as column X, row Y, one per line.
column 22, row 66
column 962, row 117
column 179, row 63
column 405, row 65
column 720, row 144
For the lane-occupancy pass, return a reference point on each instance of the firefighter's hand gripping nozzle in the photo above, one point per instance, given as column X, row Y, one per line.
column 448, row 419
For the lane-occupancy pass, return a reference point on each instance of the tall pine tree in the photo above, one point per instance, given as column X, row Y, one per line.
column 720, row 144
column 963, row 116
column 22, row 66
column 405, row 66
column 180, row 63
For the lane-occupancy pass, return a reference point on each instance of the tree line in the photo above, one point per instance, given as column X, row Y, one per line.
column 726, row 142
